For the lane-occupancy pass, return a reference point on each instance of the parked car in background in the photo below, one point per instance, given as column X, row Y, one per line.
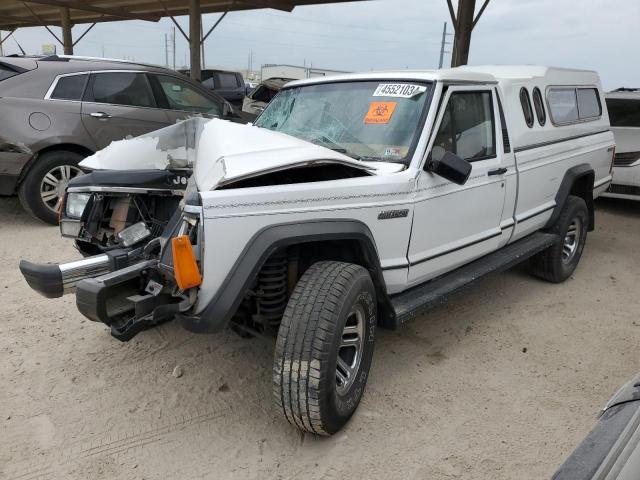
column 260, row 97
column 57, row 110
column 624, row 113
column 351, row 204
column 228, row 84
column 611, row 451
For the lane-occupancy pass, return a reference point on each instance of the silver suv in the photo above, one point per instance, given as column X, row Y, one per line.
column 55, row 111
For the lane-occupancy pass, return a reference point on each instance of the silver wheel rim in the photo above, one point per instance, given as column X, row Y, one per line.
column 350, row 350
column 54, row 184
column 571, row 241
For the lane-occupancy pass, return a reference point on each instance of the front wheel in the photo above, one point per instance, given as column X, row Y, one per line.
column 325, row 347
column 43, row 188
column 558, row 262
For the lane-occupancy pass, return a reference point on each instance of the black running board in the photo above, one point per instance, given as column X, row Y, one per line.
column 418, row 300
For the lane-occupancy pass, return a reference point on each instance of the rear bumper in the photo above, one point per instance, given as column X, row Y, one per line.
column 626, row 182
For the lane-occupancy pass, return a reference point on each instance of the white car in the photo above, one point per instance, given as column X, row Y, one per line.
column 624, row 113
column 353, row 203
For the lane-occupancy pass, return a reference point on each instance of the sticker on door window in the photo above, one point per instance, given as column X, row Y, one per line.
column 380, row 113
column 393, row 152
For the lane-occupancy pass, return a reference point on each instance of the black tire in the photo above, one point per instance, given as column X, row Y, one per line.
column 305, row 384
column 552, row 264
column 29, row 190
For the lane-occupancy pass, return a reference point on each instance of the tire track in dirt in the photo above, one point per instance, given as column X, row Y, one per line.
column 107, row 444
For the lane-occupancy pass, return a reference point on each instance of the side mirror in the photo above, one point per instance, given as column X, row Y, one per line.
column 227, row 110
column 450, row 166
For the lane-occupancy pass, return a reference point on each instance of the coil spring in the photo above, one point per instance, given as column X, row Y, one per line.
column 272, row 288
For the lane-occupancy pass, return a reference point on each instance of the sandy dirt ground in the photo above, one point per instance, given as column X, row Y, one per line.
column 501, row 383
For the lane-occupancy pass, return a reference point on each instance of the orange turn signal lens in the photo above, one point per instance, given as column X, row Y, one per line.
column 184, row 263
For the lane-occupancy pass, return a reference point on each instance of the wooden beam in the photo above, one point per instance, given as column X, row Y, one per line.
column 214, row 26
column 484, row 5
column 65, row 23
column 462, row 42
column 85, row 7
column 42, row 22
column 4, row 17
column 2, row 40
column 194, row 39
column 453, row 15
column 166, row 11
column 84, row 33
column 277, row 5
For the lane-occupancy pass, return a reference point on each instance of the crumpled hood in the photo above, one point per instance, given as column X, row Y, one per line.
column 220, row 152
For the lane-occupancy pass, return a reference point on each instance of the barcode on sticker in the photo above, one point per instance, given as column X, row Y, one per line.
column 399, row 90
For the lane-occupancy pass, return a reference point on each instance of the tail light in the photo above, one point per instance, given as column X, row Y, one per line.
column 184, row 263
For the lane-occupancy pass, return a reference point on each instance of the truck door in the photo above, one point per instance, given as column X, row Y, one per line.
column 118, row 104
column 454, row 224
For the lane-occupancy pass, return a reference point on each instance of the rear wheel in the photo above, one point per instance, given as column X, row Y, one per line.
column 42, row 190
column 558, row 263
column 325, row 347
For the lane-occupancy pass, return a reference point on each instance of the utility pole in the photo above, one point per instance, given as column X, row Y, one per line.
column 173, row 43
column 463, row 24
column 166, row 51
column 442, row 46
column 1, row 51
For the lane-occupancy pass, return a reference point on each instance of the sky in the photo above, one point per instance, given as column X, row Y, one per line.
column 386, row 34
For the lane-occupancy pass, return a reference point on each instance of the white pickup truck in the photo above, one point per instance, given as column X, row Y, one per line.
column 353, row 202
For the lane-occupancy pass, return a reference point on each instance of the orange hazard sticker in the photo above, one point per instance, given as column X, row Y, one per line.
column 380, row 113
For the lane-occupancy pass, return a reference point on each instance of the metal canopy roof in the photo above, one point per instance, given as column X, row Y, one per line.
column 36, row 13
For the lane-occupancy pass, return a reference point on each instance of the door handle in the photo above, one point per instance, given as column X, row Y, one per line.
column 100, row 115
column 497, row 171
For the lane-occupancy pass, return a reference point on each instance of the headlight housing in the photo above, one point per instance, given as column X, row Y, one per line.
column 75, row 204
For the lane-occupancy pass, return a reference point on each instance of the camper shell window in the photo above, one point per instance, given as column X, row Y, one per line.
column 539, row 106
column 525, row 101
column 588, row 103
column 569, row 105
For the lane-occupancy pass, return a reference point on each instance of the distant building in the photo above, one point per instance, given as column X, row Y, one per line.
column 48, row 49
column 295, row 72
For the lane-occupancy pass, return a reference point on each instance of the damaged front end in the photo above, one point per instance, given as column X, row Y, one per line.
column 126, row 222
column 133, row 288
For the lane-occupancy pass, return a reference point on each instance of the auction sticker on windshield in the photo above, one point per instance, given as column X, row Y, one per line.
column 380, row 113
column 399, row 90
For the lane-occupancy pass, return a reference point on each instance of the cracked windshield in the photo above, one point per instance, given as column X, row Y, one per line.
column 372, row 121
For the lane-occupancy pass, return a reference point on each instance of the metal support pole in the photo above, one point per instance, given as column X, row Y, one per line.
column 65, row 23
column 173, row 45
column 194, row 39
column 166, row 51
column 444, row 40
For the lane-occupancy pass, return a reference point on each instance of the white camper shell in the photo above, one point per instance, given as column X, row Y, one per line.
column 353, row 202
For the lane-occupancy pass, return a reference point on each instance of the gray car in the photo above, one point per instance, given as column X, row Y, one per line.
column 55, row 111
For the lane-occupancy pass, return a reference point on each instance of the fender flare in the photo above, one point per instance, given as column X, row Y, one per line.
column 218, row 313
column 570, row 178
